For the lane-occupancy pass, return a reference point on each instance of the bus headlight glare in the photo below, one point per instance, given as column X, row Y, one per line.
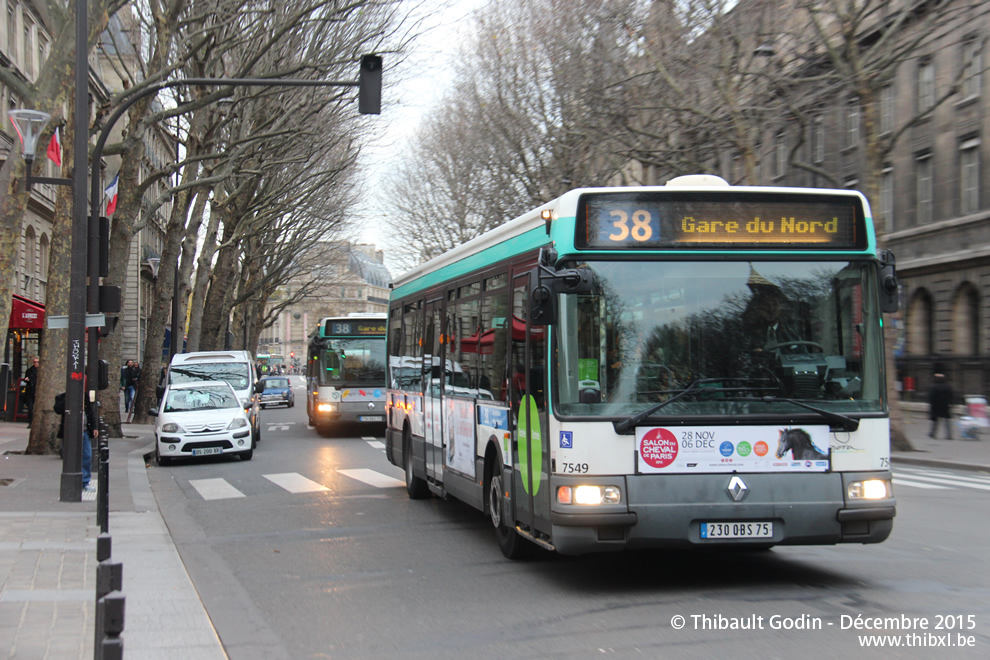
column 871, row 489
column 589, row 495
column 325, row 406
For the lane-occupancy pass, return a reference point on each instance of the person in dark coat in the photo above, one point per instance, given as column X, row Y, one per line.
column 31, row 387
column 939, row 400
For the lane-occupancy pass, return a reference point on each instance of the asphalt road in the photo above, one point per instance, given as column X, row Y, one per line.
column 313, row 550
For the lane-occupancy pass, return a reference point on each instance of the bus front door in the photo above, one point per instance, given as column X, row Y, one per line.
column 433, row 383
column 530, row 459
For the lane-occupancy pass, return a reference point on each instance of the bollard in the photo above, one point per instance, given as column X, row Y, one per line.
column 110, row 615
column 109, row 577
column 104, row 547
column 103, row 482
column 109, row 580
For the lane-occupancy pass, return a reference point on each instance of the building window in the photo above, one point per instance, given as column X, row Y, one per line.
column 852, row 123
column 969, row 176
column 923, row 189
column 886, row 211
column 972, row 63
column 11, row 28
column 780, row 149
column 887, row 109
column 818, row 141
column 920, row 333
column 926, row 85
column 27, row 54
column 966, row 321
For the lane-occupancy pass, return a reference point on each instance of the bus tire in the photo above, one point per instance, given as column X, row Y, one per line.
column 510, row 543
column 416, row 487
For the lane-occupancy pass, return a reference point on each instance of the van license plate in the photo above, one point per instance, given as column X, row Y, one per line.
column 737, row 530
column 207, row 451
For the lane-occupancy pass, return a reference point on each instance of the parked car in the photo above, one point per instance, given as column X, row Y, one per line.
column 277, row 391
column 202, row 418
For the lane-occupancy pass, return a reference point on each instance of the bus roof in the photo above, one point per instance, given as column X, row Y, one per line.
column 555, row 221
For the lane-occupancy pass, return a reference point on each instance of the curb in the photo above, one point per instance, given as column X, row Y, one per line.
column 936, row 463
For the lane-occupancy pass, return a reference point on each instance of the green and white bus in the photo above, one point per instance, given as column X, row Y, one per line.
column 688, row 365
column 345, row 371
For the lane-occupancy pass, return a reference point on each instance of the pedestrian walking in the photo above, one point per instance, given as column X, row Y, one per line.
column 125, row 385
column 939, row 401
column 31, row 387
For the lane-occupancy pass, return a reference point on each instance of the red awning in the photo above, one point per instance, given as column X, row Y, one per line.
column 26, row 314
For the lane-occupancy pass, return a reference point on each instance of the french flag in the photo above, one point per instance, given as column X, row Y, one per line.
column 55, row 149
column 111, row 192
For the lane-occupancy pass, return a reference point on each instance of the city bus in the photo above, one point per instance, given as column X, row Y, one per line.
column 345, row 371
column 686, row 365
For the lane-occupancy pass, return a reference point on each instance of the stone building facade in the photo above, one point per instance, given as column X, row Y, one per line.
column 356, row 280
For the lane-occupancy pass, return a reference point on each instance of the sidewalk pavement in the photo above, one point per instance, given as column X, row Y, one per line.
column 48, row 551
column 48, row 560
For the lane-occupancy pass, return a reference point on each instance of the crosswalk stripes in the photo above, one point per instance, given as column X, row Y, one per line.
column 295, row 482
column 372, row 478
column 292, row 482
column 215, row 489
column 935, row 479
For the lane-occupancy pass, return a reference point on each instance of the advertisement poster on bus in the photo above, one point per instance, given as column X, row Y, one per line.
column 460, row 436
column 686, row 449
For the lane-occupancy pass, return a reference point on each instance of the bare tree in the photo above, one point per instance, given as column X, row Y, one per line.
column 532, row 114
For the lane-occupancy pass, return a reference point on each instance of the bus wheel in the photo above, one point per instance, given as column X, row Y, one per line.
column 509, row 542
column 416, row 487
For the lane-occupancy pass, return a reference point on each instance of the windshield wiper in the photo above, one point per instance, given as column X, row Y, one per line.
column 624, row 426
column 843, row 422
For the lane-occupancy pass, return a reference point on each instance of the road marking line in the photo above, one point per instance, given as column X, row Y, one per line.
column 368, row 438
column 917, row 484
column 377, row 444
column 951, row 482
column 372, row 478
column 215, row 489
column 295, row 482
column 278, row 427
column 947, row 475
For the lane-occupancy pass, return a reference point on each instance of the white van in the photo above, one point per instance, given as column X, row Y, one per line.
column 234, row 367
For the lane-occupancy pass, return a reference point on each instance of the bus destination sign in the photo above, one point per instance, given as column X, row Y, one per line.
column 712, row 221
column 353, row 327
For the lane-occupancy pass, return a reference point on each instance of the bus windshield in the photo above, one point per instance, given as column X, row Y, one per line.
column 742, row 337
column 351, row 361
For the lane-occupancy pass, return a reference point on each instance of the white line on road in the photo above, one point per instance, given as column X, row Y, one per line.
column 278, row 427
column 917, row 484
column 372, row 478
column 377, row 444
column 295, row 482
column 215, row 489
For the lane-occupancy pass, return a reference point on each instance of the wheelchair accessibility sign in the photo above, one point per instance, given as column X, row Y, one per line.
column 567, row 439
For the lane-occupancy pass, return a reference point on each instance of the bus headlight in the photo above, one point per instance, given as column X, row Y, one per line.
column 326, row 406
column 870, row 489
column 589, row 495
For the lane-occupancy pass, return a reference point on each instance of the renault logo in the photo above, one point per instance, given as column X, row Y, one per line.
column 371, row 406
column 737, row 489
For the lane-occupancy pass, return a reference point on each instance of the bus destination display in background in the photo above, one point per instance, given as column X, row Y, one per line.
column 353, row 328
column 653, row 221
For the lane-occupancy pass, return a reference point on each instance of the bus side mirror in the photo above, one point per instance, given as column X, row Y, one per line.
column 888, row 284
column 573, row 280
column 542, row 299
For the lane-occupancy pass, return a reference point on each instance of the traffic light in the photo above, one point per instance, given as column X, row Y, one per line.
column 103, row 375
column 104, row 255
column 370, row 85
column 292, row 354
